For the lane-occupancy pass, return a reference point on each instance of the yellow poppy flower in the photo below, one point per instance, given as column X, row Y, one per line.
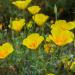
column 72, row 67
column 22, row 4
column 61, row 37
column 17, row 24
column 34, row 9
column 5, row 50
column 33, row 41
column 62, row 24
column 40, row 19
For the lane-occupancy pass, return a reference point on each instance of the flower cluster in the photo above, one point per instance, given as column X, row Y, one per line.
column 60, row 32
column 37, row 39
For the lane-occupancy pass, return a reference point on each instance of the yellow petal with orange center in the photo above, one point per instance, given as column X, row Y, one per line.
column 33, row 41
column 5, row 50
column 17, row 24
column 61, row 37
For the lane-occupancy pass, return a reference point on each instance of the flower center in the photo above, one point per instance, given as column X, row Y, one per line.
column 33, row 44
